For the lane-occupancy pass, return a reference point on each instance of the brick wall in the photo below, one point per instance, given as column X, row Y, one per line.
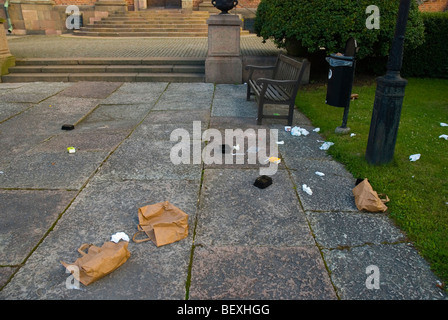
column 249, row 3
column 75, row 2
column 434, row 5
column 83, row 2
column 245, row 3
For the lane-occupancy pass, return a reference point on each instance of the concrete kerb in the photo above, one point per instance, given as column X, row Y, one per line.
column 244, row 242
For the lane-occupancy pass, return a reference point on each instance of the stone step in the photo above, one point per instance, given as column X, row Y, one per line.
column 126, row 18
column 145, row 29
column 144, row 25
column 108, row 69
column 203, row 16
column 113, row 77
column 148, row 22
column 141, row 34
column 164, row 69
column 111, row 61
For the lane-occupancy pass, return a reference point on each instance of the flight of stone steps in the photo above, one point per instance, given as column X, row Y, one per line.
column 150, row 23
column 164, row 69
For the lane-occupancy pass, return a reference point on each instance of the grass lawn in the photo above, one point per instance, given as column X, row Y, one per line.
column 418, row 191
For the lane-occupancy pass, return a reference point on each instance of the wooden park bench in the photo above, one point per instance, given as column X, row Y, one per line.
column 281, row 89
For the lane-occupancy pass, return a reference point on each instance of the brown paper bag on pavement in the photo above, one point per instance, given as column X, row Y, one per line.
column 98, row 261
column 367, row 199
column 163, row 223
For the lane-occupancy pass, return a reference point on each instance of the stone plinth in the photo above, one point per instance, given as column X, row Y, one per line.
column 187, row 5
column 6, row 59
column 224, row 61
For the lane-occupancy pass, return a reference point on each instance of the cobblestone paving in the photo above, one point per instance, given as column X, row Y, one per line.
column 71, row 46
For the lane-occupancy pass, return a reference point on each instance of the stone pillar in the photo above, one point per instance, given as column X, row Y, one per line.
column 140, row 5
column 6, row 59
column 224, row 62
column 187, row 5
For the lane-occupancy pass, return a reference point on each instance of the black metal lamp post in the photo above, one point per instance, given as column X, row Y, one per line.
column 389, row 98
column 224, row 5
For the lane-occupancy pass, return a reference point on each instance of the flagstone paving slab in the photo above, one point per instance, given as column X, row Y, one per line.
column 349, row 229
column 260, row 273
column 235, row 212
column 26, row 216
column 398, row 270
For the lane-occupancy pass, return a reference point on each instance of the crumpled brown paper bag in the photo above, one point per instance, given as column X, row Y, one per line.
column 98, row 262
column 367, row 199
column 163, row 223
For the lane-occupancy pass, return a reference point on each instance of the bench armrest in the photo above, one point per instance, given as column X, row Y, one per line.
column 275, row 82
column 248, row 67
column 252, row 68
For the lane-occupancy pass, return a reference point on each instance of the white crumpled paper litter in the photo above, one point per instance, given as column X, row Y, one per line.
column 119, row 236
column 307, row 189
column 326, row 145
column 444, row 136
column 297, row 131
column 414, row 157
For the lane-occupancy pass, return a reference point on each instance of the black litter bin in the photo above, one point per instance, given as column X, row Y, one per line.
column 340, row 80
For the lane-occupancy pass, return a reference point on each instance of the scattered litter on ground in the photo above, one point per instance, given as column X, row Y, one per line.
column 297, row 131
column 320, row 174
column 1, row 172
column 119, row 236
column 444, row 136
column 414, row 157
column 442, row 124
column 288, row 129
column 326, row 145
column 263, row 182
column 237, row 147
column 274, row 160
column 368, row 199
column 280, row 142
column 98, row 261
column 352, row 135
column 307, row 189
column 163, row 223
column 68, row 127
column 354, row 96
column 316, row 129
column 71, row 149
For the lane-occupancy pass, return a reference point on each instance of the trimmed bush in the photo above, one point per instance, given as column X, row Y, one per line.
column 431, row 58
column 329, row 23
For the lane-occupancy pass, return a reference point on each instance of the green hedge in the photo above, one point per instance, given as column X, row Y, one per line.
column 431, row 58
column 329, row 23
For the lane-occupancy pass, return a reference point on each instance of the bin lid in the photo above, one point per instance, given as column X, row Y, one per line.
column 338, row 57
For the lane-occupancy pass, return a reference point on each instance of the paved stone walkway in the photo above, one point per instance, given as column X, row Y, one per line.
column 73, row 46
column 243, row 242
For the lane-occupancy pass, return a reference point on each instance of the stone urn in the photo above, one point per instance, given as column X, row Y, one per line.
column 224, row 5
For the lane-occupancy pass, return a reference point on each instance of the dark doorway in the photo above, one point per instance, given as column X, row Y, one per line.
column 164, row 4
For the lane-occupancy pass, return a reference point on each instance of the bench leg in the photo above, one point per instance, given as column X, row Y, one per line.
column 260, row 112
column 291, row 114
column 248, row 92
